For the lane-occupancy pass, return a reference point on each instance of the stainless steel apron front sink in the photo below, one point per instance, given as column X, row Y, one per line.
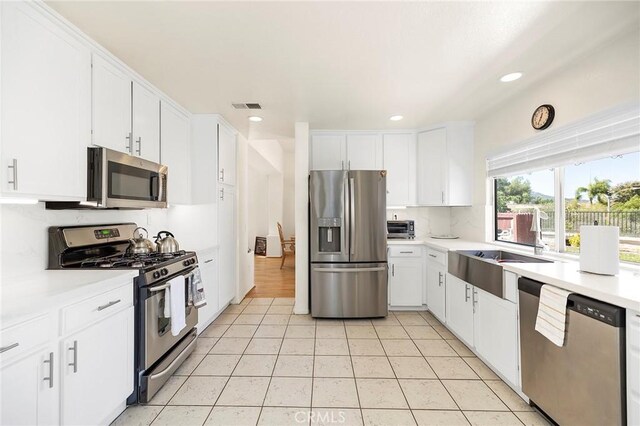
column 483, row 268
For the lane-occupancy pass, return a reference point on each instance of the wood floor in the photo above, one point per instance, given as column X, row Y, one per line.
column 270, row 280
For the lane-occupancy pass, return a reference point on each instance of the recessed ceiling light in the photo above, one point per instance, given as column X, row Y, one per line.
column 396, row 118
column 255, row 118
column 510, row 77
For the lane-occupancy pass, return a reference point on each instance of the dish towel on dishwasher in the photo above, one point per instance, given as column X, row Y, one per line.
column 177, row 303
column 551, row 321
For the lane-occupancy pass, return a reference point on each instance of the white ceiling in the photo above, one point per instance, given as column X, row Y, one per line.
column 347, row 65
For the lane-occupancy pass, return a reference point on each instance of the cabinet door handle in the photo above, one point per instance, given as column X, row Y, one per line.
column 406, row 252
column 442, row 192
column 349, row 165
column 14, row 170
column 129, row 139
column 475, row 299
column 74, row 349
column 8, row 348
column 432, row 255
column 222, row 194
column 50, row 362
column 466, row 292
column 393, row 270
column 439, row 279
column 221, row 175
column 113, row 302
column 342, row 165
column 139, row 142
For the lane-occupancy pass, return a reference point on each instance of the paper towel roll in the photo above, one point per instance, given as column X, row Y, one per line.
column 599, row 249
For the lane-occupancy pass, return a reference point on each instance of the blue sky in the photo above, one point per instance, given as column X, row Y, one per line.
column 618, row 170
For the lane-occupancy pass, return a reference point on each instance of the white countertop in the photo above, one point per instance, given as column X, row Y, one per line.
column 622, row 290
column 30, row 295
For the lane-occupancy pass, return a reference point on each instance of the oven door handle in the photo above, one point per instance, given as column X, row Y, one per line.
column 159, row 288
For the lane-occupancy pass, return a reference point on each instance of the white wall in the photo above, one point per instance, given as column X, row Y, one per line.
column 288, row 194
column 257, row 205
column 608, row 77
column 301, row 219
column 24, row 243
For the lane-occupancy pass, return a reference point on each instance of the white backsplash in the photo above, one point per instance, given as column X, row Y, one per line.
column 428, row 220
column 469, row 222
column 24, row 238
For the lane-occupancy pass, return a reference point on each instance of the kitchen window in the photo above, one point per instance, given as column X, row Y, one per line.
column 605, row 190
column 545, row 188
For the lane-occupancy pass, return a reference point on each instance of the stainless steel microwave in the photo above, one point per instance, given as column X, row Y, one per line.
column 118, row 180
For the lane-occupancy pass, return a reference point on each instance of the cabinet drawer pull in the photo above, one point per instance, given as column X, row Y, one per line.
column 14, row 169
column 406, row 252
column 113, row 302
column 50, row 362
column 74, row 349
column 208, row 261
column 432, row 255
column 8, row 348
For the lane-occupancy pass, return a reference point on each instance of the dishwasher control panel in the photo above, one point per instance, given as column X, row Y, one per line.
column 601, row 313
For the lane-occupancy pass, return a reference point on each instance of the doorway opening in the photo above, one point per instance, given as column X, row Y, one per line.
column 271, row 218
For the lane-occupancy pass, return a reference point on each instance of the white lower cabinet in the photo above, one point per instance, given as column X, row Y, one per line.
column 459, row 308
column 436, row 285
column 97, row 370
column 208, row 263
column 495, row 333
column 406, row 278
column 30, row 389
column 633, row 368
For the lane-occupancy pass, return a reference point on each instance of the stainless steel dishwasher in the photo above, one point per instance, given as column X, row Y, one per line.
column 583, row 382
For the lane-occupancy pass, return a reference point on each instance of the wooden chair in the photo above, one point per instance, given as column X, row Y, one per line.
column 284, row 243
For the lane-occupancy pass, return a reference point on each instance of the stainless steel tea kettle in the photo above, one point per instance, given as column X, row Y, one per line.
column 139, row 244
column 168, row 244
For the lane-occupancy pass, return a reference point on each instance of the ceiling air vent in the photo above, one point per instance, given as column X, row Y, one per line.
column 247, row 106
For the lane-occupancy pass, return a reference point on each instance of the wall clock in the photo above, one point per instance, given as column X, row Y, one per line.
column 543, row 117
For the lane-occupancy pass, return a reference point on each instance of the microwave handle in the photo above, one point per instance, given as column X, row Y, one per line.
column 155, row 185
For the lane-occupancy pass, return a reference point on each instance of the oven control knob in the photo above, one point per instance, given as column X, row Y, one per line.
column 164, row 271
column 193, row 261
column 156, row 274
column 186, row 263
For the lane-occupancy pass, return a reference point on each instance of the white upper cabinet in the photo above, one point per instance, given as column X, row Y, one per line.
column 346, row 151
column 111, row 106
column 445, row 166
column 204, row 158
column 46, row 104
column 328, row 151
column 226, row 155
column 146, row 123
column 126, row 115
column 364, row 152
column 176, row 153
column 400, row 164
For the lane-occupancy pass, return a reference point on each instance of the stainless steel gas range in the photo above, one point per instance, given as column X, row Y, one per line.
column 158, row 353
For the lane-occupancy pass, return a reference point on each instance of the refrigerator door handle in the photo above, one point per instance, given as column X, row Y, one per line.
column 350, row 270
column 352, row 216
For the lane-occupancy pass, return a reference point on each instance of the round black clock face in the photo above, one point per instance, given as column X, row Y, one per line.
column 542, row 117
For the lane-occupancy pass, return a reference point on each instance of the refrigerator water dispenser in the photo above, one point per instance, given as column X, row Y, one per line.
column 329, row 234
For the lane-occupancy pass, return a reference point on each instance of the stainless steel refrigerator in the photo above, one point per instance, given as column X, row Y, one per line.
column 348, row 243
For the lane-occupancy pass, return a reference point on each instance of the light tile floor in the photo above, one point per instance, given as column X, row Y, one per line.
column 259, row 364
